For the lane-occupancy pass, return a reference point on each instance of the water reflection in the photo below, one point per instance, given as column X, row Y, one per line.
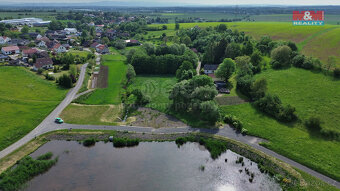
column 149, row 166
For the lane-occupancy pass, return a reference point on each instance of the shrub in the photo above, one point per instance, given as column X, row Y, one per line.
column 125, row 142
column 337, row 72
column 89, row 142
column 65, row 81
column 287, row 113
column 46, row 156
column 298, row 61
column 244, row 84
column 313, row 123
column 232, row 120
column 281, row 57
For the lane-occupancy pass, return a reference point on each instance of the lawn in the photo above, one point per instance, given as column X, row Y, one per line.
column 92, row 114
column 111, row 94
column 292, row 141
column 79, row 53
column 156, row 88
column 312, row 94
column 26, row 100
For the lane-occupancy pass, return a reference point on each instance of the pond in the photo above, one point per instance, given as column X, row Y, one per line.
column 149, row 166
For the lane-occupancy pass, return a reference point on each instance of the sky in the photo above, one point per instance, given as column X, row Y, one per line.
column 195, row 2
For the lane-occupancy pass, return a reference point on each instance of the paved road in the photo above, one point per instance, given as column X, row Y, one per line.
column 48, row 125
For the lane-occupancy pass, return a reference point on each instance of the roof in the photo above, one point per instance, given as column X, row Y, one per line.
column 30, row 51
column 94, row 45
column 101, row 47
column 43, row 62
column 210, row 67
column 10, row 48
column 56, row 46
column 3, row 56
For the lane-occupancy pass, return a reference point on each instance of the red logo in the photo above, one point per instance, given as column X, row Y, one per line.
column 308, row 16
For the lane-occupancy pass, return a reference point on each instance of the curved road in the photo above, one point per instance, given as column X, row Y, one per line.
column 48, row 125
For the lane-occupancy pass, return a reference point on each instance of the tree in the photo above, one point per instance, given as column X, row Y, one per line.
column 233, row 50
column 25, row 29
column 130, row 73
column 337, row 72
column 149, row 48
column 258, row 89
column 119, row 44
column 185, row 71
column 105, row 40
column 226, row 69
column 186, row 40
column 220, row 51
column 55, row 25
column 177, row 26
column 244, row 65
column 248, row 48
column 65, row 81
column 221, row 28
column 209, row 111
column 256, row 59
column 331, row 63
column 281, row 57
column 164, row 27
column 292, row 46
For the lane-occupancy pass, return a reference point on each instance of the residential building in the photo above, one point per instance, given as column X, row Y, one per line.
column 43, row 63
column 10, row 50
column 29, row 52
column 58, row 48
column 4, row 58
column 210, row 68
column 4, row 39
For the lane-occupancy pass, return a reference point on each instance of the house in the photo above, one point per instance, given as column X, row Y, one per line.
column 132, row 42
column 29, row 52
column 210, row 69
column 222, row 87
column 102, row 49
column 19, row 42
column 4, row 39
column 4, row 58
column 70, row 30
column 58, row 48
column 94, row 45
column 67, row 46
column 43, row 63
column 10, row 50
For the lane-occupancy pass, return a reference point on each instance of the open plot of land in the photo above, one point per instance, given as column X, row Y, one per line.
column 312, row 94
column 79, row 53
column 116, row 75
column 92, row 114
column 25, row 100
column 156, row 88
column 291, row 141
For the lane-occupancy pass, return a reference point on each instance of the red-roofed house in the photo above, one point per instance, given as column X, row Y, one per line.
column 44, row 63
column 10, row 50
column 29, row 52
column 58, row 48
column 102, row 49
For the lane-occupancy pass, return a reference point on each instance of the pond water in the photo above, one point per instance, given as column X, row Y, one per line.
column 149, row 166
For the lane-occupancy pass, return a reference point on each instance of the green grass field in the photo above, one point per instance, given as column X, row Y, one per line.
column 79, row 53
column 111, row 94
column 26, row 100
column 156, row 88
column 312, row 94
column 292, row 141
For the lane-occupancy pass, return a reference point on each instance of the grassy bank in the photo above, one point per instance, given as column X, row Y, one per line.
column 27, row 100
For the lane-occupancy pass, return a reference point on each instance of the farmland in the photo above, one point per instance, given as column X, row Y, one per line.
column 27, row 100
column 116, row 75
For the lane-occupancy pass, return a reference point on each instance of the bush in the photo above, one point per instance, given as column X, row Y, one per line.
column 125, row 142
column 233, row 121
column 298, row 61
column 313, row 123
column 272, row 105
column 46, row 156
column 89, row 142
column 336, row 72
column 244, row 84
column 49, row 77
column 65, row 81
column 281, row 57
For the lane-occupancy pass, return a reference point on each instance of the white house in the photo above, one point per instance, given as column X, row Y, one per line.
column 210, row 69
column 4, row 39
column 58, row 48
column 70, row 30
column 10, row 50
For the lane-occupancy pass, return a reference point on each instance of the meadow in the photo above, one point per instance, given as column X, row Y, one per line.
column 313, row 94
column 26, row 100
column 116, row 75
column 156, row 88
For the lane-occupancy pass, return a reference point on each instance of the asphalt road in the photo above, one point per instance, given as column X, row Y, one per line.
column 48, row 125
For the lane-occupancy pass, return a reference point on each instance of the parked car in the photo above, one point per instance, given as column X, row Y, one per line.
column 58, row 120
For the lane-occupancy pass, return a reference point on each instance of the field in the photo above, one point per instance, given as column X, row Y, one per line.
column 111, row 94
column 318, row 41
column 79, row 53
column 92, row 114
column 311, row 94
column 26, row 100
column 156, row 88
